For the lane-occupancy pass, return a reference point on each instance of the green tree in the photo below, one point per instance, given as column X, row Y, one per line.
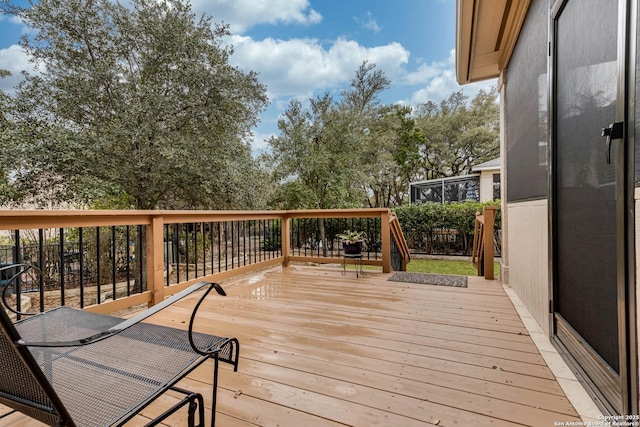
column 458, row 134
column 392, row 157
column 314, row 166
column 317, row 156
column 137, row 104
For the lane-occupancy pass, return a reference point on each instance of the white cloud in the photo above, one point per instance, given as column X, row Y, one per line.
column 298, row 67
column 439, row 81
column 369, row 23
column 425, row 72
column 10, row 18
column 243, row 14
column 14, row 60
column 259, row 143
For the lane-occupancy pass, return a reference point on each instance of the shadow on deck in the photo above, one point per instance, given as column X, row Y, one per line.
column 322, row 349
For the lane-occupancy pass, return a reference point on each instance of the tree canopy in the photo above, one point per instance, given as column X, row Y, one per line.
column 6, row 129
column 458, row 134
column 139, row 105
column 356, row 151
column 317, row 157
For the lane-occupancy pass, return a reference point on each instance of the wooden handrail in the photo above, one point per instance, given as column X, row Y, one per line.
column 482, row 257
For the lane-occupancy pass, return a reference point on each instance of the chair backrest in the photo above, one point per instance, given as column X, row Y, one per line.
column 23, row 385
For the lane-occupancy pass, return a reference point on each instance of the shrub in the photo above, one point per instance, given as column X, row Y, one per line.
column 436, row 228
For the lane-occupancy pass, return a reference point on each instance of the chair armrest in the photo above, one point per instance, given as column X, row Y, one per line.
column 132, row 321
column 167, row 302
column 20, row 270
column 195, row 348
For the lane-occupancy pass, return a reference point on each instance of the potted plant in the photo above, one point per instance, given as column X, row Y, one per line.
column 352, row 241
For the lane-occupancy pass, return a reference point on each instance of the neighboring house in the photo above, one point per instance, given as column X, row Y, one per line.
column 568, row 75
column 489, row 179
column 482, row 186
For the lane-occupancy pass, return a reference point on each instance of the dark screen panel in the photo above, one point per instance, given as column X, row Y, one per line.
column 637, row 109
column 526, row 109
column 585, row 191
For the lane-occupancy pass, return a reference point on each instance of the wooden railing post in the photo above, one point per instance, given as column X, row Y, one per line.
column 286, row 239
column 386, row 241
column 489, row 213
column 155, row 259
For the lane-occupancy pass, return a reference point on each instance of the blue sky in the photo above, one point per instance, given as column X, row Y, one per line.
column 302, row 48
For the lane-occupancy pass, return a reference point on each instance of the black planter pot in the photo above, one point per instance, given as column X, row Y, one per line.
column 352, row 248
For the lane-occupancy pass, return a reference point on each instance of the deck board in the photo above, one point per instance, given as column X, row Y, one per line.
column 319, row 348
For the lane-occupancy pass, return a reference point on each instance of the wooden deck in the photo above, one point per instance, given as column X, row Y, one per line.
column 321, row 349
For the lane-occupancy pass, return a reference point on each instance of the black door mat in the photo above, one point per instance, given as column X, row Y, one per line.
column 429, row 279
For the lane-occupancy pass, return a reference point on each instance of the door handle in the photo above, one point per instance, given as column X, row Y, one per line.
column 614, row 131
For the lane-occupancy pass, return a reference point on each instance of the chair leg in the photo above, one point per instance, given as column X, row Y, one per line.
column 215, row 390
column 196, row 402
column 192, row 400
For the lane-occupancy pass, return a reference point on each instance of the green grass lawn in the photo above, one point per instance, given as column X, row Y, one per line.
column 439, row 266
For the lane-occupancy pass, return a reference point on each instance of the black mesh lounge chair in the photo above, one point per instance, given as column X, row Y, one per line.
column 69, row 367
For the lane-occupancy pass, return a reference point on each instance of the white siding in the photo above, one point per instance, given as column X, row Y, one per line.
column 528, row 246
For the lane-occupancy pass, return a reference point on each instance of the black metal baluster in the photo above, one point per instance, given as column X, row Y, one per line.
column 212, row 248
column 186, row 250
column 369, row 237
column 226, row 247
column 260, row 239
column 141, row 246
column 378, row 222
column 241, row 231
column 272, row 228
column 244, row 244
column 42, row 267
column 237, row 243
column 195, row 248
column 329, row 234
column 318, row 236
column 256, row 243
column 250, row 239
column 165, row 251
column 177, row 251
column 81, row 263
column 240, row 247
column 269, row 227
column 236, row 253
column 219, row 247
column 128, row 261
column 305, row 234
column 17, row 260
column 61, row 266
column 278, row 232
column 301, row 237
column 204, row 250
column 99, row 273
column 233, row 244
column 113, row 261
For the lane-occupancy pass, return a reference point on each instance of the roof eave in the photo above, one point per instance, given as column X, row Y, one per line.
column 486, row 33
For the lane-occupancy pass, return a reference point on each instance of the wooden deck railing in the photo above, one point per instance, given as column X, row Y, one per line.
column 400, row 243
column 482, row 258
column 163, row 252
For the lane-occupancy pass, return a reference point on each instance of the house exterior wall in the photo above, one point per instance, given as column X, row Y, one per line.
column 528, row 243
column 525, row 224
column 486, row 185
